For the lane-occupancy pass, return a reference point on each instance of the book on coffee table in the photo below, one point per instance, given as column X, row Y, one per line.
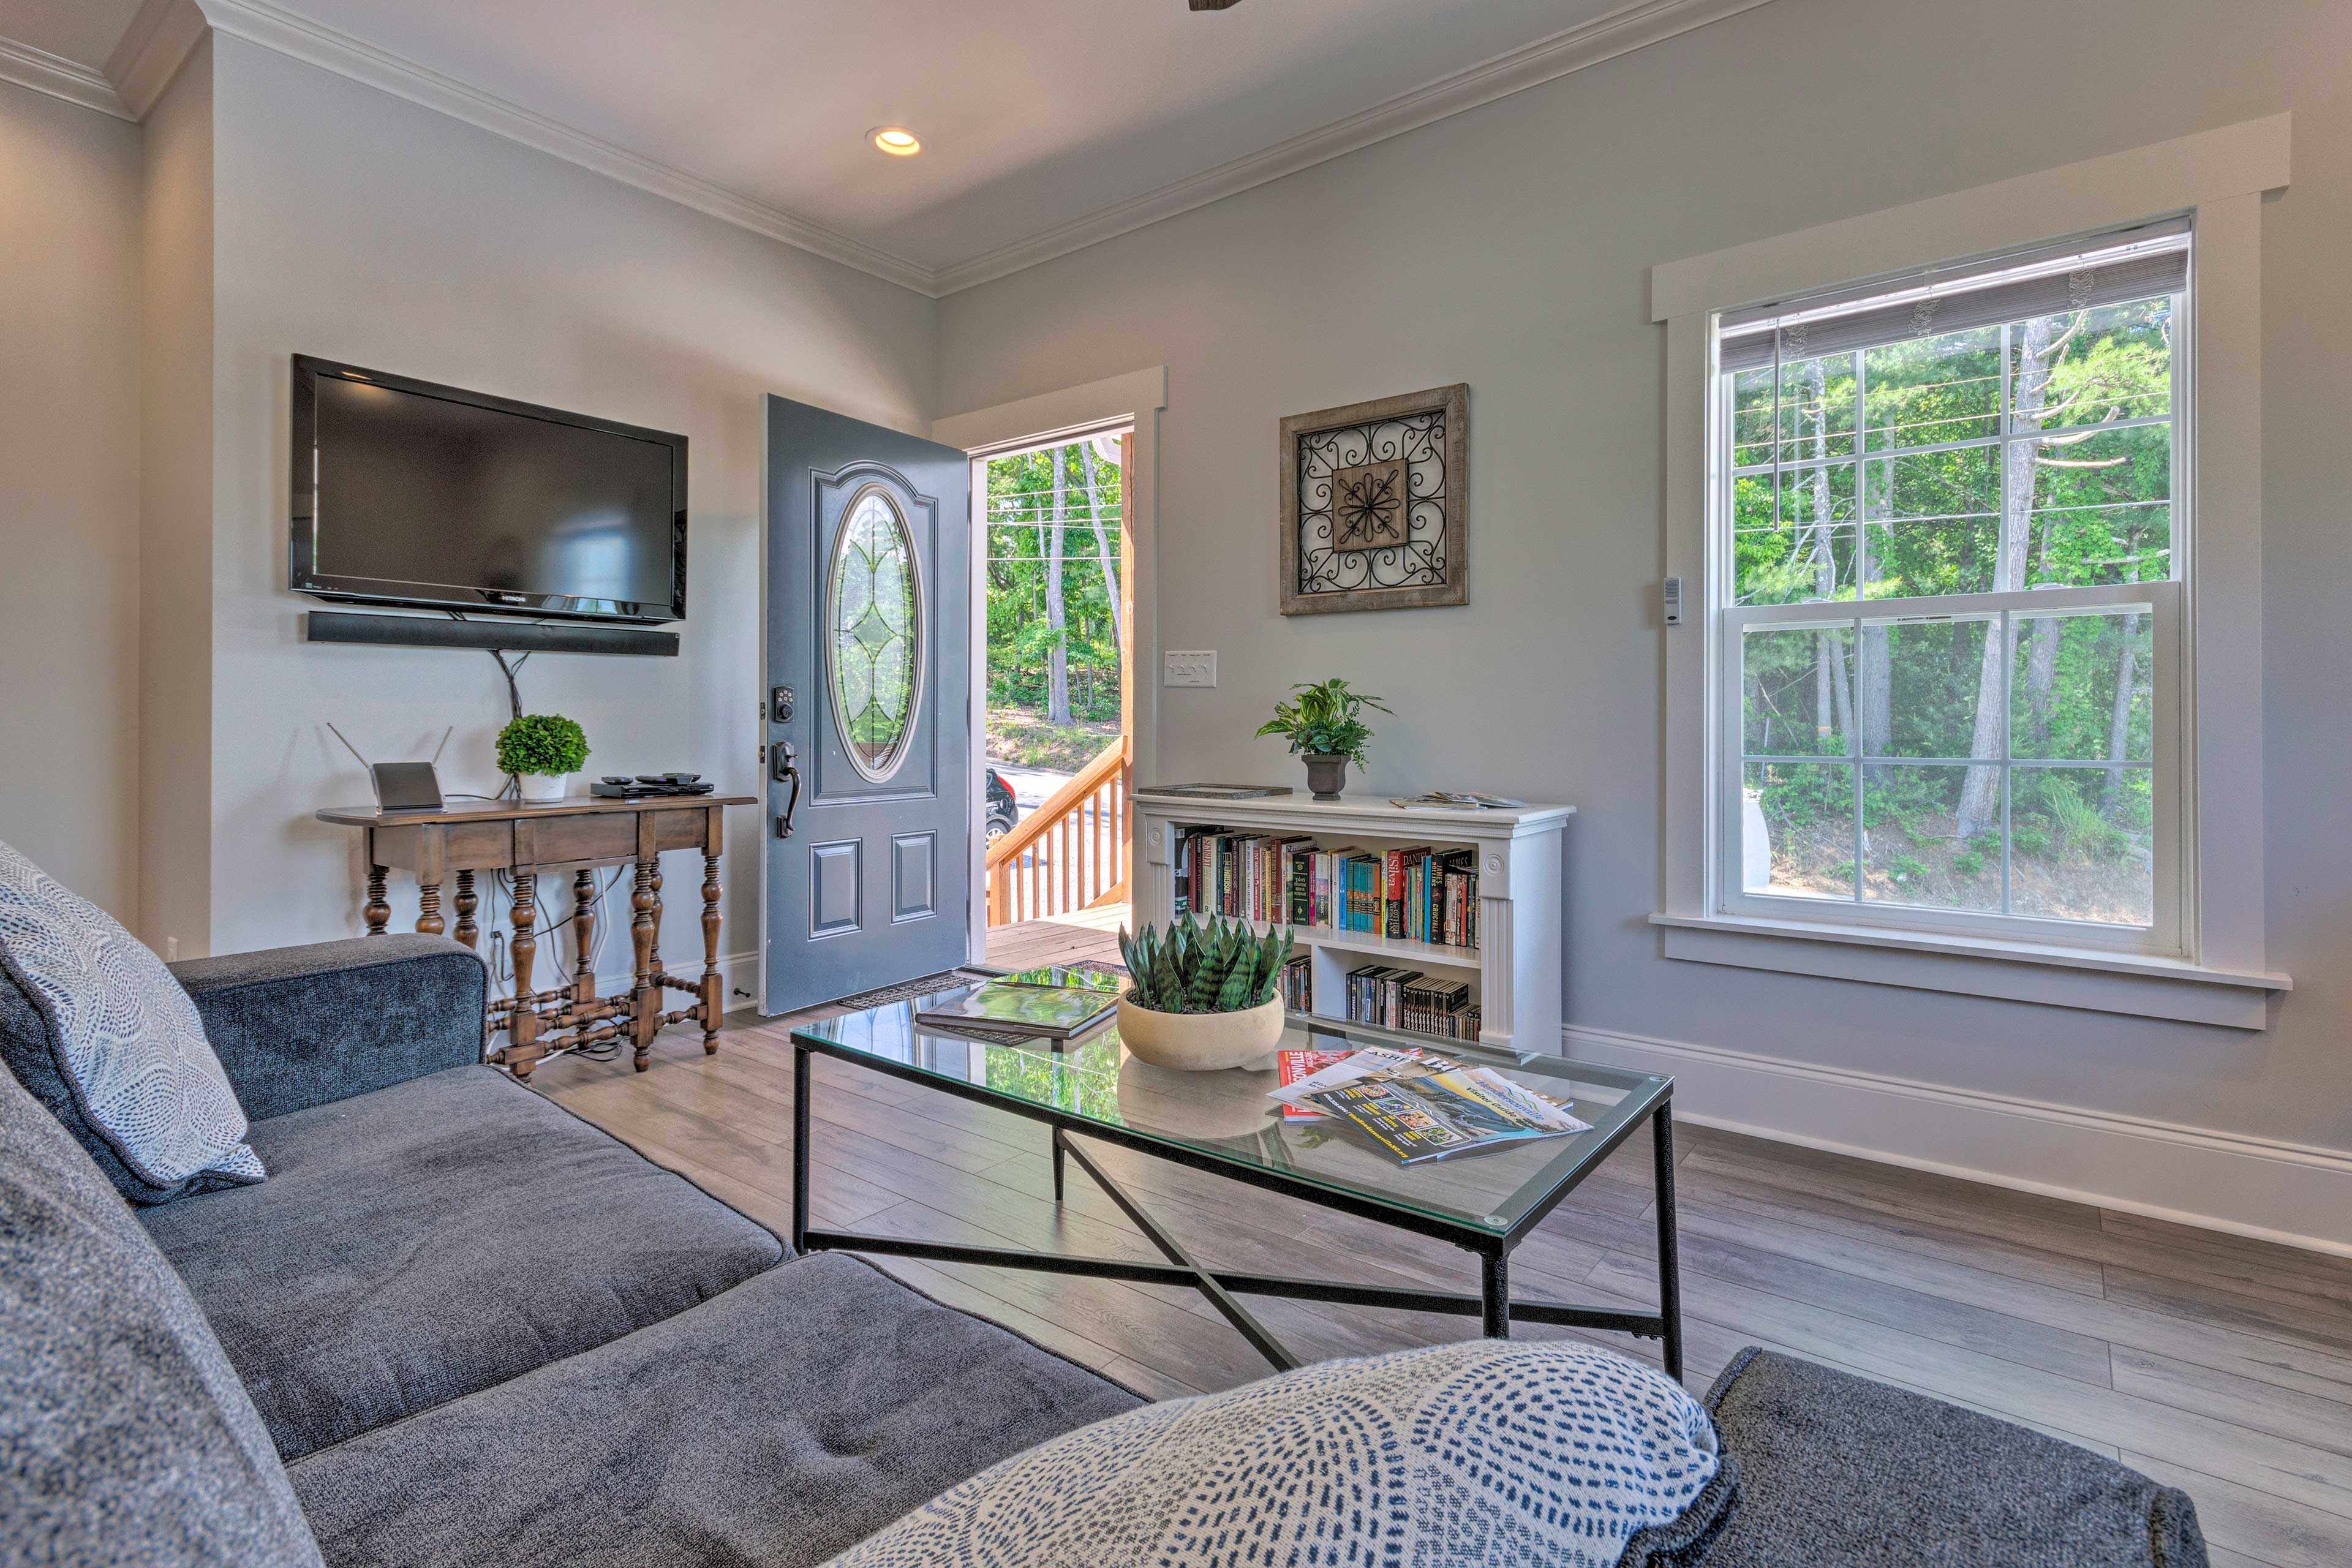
column 1432, row 1108
column 1049, row 1012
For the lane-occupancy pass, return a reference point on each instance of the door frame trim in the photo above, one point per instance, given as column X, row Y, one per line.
column 1134, row 399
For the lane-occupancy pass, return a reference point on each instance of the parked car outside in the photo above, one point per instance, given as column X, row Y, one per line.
column 1001, row 812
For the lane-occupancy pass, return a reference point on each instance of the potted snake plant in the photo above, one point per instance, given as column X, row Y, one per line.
column 1202, row 997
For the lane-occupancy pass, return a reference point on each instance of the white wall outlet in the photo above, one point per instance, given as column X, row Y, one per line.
column 1196, row 667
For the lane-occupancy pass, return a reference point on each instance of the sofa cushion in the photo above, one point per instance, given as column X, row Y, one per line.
column 1451, row 1455
column 125, row 1436
column 422, row 1241
column 1837, row 1472
column 103, row 1036
column 771, row 1427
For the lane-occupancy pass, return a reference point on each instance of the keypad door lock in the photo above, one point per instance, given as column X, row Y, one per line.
column 782, row 705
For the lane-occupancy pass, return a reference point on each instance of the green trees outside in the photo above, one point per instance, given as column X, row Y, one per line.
column 1052, row 588
column 2033, row 454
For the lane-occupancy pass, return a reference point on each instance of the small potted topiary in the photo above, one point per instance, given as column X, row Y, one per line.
column 1325, row 724
column 542, row 751
column 1202, row 998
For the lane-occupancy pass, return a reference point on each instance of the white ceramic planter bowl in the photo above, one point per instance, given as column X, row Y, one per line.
column 543, row 789
column 1203, row 1042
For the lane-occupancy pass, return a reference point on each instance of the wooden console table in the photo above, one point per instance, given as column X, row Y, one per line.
column 577, row 836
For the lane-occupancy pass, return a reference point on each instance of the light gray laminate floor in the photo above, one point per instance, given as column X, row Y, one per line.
column 2219, row 1366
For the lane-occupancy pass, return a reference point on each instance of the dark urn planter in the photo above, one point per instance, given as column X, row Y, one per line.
column 1327, row 777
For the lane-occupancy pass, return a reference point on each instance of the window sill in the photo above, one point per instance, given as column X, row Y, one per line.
column 2131, row 983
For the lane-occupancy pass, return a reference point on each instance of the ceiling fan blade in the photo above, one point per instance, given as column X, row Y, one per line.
column 1211, row 4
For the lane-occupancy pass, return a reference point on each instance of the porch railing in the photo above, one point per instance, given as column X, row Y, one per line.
column 1070, row 853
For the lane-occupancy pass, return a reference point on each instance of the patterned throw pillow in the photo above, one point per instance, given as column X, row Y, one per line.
column 112, row 1045
column 1459, row 1455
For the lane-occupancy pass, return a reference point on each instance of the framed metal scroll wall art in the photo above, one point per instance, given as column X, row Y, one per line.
column 1376, row 504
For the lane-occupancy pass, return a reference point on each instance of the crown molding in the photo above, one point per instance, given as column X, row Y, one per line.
column 59, row 78
column 1619, row 32
column 155, row 47
column 166, row 32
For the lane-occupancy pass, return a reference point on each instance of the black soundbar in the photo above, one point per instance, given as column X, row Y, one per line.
column 505, row 636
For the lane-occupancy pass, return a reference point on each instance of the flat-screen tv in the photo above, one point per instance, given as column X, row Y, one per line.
column 409, row 493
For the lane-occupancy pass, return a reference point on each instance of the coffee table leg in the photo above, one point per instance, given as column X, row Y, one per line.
column 800, row 1148
column 1495, row 1295
column 1058, row 1161
column 1670, row 1282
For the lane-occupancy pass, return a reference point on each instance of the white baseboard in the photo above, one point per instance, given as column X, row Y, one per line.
column 2293, row 1194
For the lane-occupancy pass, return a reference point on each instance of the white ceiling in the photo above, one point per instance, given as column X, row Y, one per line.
column 82, row 31
column 1036, row 114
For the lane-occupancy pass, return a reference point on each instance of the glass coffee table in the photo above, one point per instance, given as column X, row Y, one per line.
column 1222, row 1123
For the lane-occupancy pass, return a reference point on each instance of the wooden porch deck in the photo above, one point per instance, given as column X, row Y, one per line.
column 1064, row 938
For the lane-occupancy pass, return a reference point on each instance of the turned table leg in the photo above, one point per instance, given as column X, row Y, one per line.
column 522, row 1024
column 712, row 985
column 466, row 903
column 377, row 910
column 643, row 924
column 428, row 908
column 655, row 961
column 583, row 936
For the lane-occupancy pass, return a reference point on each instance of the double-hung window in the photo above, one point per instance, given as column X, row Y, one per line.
column 1947, row 571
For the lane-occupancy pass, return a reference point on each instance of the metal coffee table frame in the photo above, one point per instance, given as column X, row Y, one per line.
column 1494, row 1305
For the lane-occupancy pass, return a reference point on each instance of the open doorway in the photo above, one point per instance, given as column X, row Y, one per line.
column 1056, row 582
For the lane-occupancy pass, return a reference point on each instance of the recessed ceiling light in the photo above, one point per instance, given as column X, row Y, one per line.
column 897, row 141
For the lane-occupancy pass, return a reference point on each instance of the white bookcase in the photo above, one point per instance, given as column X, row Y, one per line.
column 1514, row 968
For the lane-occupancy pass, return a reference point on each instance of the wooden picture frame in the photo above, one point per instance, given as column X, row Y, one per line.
column 1375, row 511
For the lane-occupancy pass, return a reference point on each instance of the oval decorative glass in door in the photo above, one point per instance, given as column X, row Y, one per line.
column 874, row 634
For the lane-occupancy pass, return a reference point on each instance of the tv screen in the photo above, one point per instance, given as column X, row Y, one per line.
column 409, row 493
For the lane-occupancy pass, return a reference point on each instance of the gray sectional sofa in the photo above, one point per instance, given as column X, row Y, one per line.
column 456, row 1325
column 471, row 1328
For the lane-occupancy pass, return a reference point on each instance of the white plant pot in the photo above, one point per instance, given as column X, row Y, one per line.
column 1203, row 1042
column 543, row 789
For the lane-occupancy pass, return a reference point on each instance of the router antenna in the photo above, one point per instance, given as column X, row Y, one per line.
column 354, row 751
column 445, row 743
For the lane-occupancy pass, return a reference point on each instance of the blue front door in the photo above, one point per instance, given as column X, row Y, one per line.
column 868, row 711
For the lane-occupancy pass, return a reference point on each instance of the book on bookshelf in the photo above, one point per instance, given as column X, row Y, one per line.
column 1422, row 893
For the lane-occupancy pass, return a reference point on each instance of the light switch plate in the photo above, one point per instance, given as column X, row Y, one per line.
column 1196, row 667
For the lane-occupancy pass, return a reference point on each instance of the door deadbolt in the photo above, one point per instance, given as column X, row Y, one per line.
column 781, row 705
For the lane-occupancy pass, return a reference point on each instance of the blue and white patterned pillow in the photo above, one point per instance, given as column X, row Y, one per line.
column 1458, row 1455
column 122, row 1061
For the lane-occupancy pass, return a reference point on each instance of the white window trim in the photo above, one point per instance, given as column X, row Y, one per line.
column 2220, row 974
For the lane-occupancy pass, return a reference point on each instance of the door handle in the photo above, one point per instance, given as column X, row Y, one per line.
column 783, row 766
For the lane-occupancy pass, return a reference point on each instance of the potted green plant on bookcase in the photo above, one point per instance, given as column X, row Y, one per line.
column 542, row 751
column 1324, row 723
column 1202, row 998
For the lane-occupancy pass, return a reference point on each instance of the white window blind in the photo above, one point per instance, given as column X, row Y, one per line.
column 2138, row 265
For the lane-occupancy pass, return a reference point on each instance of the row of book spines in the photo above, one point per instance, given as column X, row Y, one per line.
column 1406, row 999
column 1418, row 894
column 1296, row 983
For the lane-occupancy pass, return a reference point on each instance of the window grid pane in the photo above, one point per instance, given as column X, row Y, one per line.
column 1995, row 763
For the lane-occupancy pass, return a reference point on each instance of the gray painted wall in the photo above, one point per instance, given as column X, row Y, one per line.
column 69, row 493
column 358, row 226
column 1510, row 248
column 176, row 527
